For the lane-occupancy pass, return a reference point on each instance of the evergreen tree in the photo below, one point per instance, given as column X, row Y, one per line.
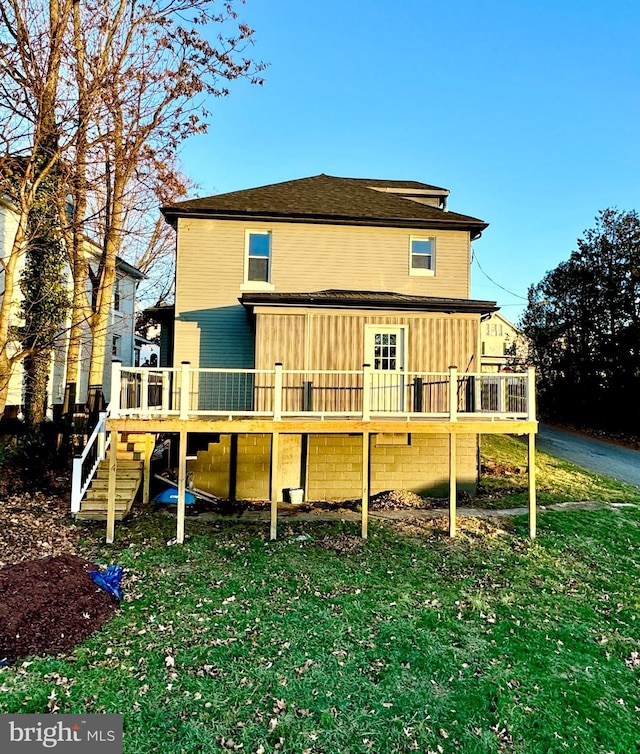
column 583, row 322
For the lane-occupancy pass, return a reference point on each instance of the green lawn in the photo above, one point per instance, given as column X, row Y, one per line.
column 408, row 642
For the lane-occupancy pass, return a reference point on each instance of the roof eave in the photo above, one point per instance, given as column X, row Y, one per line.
column 476, row 227
column 463, row 306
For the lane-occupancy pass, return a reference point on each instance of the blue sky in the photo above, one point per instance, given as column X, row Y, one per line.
column 529, row 112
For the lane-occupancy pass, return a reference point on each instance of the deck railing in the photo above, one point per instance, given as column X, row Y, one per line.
column 280, row 393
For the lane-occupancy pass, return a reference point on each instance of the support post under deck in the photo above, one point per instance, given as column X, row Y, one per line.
column 453, row 486
column 531, row 469
column 365, row 483
column 182, row 486
column 111, row 488
column 275, row 483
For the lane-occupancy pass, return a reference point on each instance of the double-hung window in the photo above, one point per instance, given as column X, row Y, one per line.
column 258, row 256
column 422, row 256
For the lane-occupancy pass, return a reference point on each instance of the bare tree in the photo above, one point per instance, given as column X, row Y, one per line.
column 147, row 71
column 32, row 53
column 121, row 84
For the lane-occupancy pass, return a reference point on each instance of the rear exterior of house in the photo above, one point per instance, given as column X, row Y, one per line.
column 322, row 276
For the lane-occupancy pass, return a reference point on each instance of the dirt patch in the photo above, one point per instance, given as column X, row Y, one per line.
column 341, row 543
column 49, row 605
column 438, row 528
column 491, row 468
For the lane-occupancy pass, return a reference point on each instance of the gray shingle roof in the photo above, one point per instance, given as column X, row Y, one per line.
column 367, row 300
column 329, row 199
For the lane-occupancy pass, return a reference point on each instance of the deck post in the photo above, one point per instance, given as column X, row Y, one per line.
column 531, row 463
column 116, row 387
column 144, row 393
column 477, row 394
column 148, row 452
column 453, row 487
column 531, row 394
column 111, row 488
column 76, row 484
column 366, row 392
column 182, row 486
column 275, row 483
column 184, row 390
column 102, row 437
column 277, row 392
column 502, row 393
column 166, row 390
column 366, row 448
column 453, row 393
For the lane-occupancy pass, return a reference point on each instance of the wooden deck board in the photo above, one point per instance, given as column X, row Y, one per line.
column 471, row 425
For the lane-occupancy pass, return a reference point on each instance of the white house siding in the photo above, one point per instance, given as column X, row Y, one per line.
column 122, row 323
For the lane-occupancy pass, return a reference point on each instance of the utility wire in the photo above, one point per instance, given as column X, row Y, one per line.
column 511, row 293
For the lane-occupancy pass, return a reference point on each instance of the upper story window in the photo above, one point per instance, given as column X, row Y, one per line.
column 258, row 256
column 116, row 295
column 422, row 256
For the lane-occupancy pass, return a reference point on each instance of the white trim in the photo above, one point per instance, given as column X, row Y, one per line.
column 257, row 284
column 368, row 342
column 418, row 271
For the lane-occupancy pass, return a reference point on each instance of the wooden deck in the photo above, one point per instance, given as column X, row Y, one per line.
column 278, row 402
column 275, row 428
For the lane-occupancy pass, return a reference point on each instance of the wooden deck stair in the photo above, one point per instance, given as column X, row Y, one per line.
column 130, row 455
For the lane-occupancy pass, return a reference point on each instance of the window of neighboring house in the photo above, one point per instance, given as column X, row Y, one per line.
column 259, row 256
column 115, row 345
column 116, row 295
column 422, row 256
column 483, row 348
column 136, row 357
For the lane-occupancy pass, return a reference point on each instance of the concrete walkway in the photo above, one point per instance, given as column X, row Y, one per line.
column 402, row 514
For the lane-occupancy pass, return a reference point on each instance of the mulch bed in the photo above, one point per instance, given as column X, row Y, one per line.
column 49, row 605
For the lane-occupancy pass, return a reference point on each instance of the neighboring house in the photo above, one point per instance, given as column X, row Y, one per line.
column 120, row 339
column 327, row 273
column 502, row 346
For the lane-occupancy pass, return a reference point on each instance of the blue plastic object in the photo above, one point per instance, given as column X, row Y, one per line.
column 109, row 580
column 170, row 497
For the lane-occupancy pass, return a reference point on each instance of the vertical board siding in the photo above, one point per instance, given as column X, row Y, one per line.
column 336, row 340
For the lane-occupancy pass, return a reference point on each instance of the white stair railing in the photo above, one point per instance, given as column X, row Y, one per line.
column 86, row 464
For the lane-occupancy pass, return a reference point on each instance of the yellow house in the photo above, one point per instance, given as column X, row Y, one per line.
column 502, row 345
column 324, row 340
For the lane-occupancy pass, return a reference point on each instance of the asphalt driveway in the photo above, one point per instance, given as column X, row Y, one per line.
column 600, row 456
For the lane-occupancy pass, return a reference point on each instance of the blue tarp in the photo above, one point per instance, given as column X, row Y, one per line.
column 170, row 497
column 109, row 580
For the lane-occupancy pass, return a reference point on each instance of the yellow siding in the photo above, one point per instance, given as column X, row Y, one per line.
column 211, row 326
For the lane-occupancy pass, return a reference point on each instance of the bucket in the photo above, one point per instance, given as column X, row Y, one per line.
column 296, row 495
